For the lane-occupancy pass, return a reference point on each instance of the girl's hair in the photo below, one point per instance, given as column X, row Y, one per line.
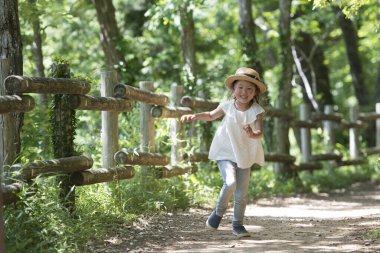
column 256, row 98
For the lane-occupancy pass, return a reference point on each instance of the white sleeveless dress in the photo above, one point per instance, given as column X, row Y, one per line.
column 231, row 142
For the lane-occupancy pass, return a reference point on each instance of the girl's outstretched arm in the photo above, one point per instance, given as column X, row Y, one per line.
column 204, row 116
column 258, row 130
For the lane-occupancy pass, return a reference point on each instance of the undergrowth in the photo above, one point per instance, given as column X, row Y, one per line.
column 40, row 224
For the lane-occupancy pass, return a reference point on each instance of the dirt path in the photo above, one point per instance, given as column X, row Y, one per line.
column 336, row 222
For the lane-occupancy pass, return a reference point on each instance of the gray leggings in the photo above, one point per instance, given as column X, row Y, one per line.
column 236, row 180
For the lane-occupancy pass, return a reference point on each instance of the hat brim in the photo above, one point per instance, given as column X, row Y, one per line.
column 229, row 81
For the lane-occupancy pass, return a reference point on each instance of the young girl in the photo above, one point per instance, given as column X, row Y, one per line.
column 236, row 145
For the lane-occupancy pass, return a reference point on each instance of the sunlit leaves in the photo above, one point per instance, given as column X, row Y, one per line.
column 349, row 7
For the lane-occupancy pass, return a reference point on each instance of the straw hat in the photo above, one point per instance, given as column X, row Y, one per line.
column 246, row 74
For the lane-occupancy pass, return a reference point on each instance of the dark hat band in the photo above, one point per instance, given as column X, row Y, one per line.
column 251, row 76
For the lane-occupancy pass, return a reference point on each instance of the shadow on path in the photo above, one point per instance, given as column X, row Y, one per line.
column 336, row 222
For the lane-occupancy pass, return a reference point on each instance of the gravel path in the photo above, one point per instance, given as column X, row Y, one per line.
column 335, row 222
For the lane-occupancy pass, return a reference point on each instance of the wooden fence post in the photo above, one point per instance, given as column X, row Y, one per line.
column 63, row 132
column 175, row 125
column 147, row 128
column 353, row 133
column 109, row 133
column 328, row 130
column 305, row 133
column 378, row 126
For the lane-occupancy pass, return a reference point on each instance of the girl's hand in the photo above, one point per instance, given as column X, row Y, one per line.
column 255, row 134
column 188, row 117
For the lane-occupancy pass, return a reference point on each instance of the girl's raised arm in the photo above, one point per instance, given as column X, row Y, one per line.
column 204, row 116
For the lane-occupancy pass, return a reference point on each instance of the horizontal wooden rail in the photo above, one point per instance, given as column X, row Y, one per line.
column 356, row 124
column 306, row 166
column 169, row 111
column 337, row 117
column 44, row 85
column 85, row 102
column 15, row 103
column 284, row 158
column 304, row 124
column 167, row 172
column 372, row 151
column 369, row 116
column 195, row 157
column 126, row 91
column 95, row 176
column 203, row 157
column 204, row 104
column 131, row 158
column 10, row 192
column 279, row 113
column 326, row 157
column 61, row 165
column 357, row 161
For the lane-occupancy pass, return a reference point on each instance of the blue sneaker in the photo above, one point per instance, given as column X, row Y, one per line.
column 213, row 221
column 240, row 231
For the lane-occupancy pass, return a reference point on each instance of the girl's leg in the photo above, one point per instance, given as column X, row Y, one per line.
column 241, row 195
column 228, row 171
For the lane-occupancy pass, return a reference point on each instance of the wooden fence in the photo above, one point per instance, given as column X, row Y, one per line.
column 118, row 163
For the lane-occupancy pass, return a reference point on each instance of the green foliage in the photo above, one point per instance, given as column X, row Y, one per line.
column 39, row 224
column 63, row 120
column 327, row 180
column 204, row 186
column 36, row 140
column 374, row 233
column 71, row 35
column 349, row 7
column 264, row 183
column 160, row 195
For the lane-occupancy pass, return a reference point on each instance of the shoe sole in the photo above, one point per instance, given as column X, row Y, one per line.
column 241, row 235
column 209, row 226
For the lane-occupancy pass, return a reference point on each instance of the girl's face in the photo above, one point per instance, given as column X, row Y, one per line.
column 244, row 91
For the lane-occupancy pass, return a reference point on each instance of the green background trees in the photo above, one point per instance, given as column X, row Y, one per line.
column 196, row 44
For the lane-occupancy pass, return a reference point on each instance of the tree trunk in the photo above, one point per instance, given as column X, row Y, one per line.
column 37, row 50
column 109, row 34
column 10, row 36
column 284, row 99
column 135, row 18
column 63, row 123
column 2, row 243
column 351, row 40
column 5, row 145
column 247, row 31
column 312, row 60
column 10, row 124
column 11, row 48
column 37, row 41
column 188, row 50
column 188, row 47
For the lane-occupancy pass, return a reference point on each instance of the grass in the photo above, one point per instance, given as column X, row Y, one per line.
column 374, row 234
column 40, row 224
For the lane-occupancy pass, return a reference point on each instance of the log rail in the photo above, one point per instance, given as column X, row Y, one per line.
column 81, row 168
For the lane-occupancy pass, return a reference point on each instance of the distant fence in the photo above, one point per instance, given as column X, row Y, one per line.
column 118, row 163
